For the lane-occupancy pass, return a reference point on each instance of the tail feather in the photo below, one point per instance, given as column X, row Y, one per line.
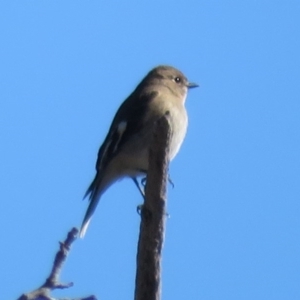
column 84, row 228
column 90, row 189
column 94, row 193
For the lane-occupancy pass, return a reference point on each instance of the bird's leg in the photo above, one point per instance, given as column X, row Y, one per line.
column 171, row 181
column 138, row 186
column 142, row 191
column 143, row 181
column 139, row 207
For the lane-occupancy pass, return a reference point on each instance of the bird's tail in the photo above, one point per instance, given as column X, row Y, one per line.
column 94, row 192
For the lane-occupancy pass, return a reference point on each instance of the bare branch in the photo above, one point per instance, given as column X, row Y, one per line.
column 52, row 282
column 153, row 215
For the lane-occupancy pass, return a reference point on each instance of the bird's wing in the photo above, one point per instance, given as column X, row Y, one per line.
column 124, row 127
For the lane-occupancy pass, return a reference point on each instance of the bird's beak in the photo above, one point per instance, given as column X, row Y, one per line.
column 191, row 85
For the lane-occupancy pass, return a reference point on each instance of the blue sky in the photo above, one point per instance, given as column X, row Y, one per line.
column 234, row 231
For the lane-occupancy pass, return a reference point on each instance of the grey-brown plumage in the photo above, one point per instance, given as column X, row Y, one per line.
column 124, row 152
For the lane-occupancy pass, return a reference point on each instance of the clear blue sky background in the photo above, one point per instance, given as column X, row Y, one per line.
column 65, row 67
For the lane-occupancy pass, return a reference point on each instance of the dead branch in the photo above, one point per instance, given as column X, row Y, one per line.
column 153, row 215
column 52, row 282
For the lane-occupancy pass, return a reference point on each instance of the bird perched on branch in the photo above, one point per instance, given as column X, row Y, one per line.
column 124, row 152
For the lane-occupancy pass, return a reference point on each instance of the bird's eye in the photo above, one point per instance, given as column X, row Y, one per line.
column 177, row 79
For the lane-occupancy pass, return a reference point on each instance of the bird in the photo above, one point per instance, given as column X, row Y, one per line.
column 124, row 152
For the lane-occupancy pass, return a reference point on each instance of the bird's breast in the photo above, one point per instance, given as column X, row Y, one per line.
column 179, row 123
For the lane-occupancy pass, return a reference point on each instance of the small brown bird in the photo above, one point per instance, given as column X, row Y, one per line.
column 124, row 152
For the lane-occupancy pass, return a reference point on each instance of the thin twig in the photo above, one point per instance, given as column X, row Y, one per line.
column 52, row 282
